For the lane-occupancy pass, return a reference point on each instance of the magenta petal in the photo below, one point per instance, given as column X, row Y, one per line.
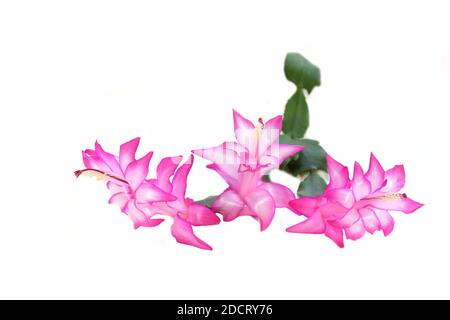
column 375, row 174
column 183, row 233
column 120, row 199
column 305, row 206
column 224, row 172
column 165, row 170
column 335, row 234
column 148, row 193
column 313, row 225
column 127, row 153
column 287, row 150
column 280, row 194
column 385, row 219
column 370, row 220
column 92, row 161
column 333, row 210
column 229, row 204
column 199, row 215
column 348, row 220
column 261, row 203
column 269, row 135
column 339, row 177
column 395, row 179
column 355, row 231
column 179, row 180
column 139, row 218
column 109, row 159
column 360, row 185
column 137, row 171
column 396, row 203
column 342, row 196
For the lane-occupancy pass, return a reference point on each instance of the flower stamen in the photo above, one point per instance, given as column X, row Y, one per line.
column 98, row 174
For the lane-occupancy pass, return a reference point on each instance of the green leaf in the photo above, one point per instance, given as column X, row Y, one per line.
column 266, row 178
column 207, row 201
column 312, row 186
column 301, row 72
column 296, row 115
column 312, row 157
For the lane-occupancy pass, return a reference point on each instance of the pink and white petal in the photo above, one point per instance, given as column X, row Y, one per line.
column 137, row 171
column 244, row 131
column 287, row 150
column 127, row 153
column 355, row 231
column 224, row 172
column 360, row 185
column 335, row 234
column 222, row 154
column 179, row 180
column 109, row 159
column 312, row 225
column 199, row 215
column 92, row 161
column 370, row 220
column 139, row 218
column 306, row 205
column 375, row 173
column 396, row 203
column 120, row 199
column 148, row 193
column 347, row 220
column 339, row 177
column 261, row 203
column 182, row 231
column 229, row 204
column 333, row 211
column 342, row 196
column 280, row 194
column 270, row 135
column 165, row 170
column 395, row 179
column 385, row 219
column 116, row 187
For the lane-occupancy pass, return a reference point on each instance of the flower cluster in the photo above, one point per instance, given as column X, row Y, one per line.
column 346, row 206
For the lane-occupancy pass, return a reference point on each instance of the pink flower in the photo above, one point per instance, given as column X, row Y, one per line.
column 354, row 206
column 141, row 199
column 243, row 163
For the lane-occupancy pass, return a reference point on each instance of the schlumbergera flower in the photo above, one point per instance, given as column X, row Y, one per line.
column 243, row 163
column 141, row 199
column 354, row 206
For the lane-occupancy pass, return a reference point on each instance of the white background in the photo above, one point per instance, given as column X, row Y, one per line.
column 72, row 72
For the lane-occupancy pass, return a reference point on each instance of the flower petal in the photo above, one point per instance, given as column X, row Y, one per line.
column 348, row 220
column 199, row 215
column 395, row 179
column 261, row 203
column 183, row 233
column 92, row 161
column 339, row 177
column 179, row 180
column 229, row 204
column 312, row 225
column 306, row 205
column 355, row 231
column 396, row 203
column 385, row 219
column 342, row 196
column 287, row 150
column 165, row 170
column 148, row 193
column 139, row 218
column 225, row 174
column 127, row 153
column 360, row 185
column 370, row 220
column 280, row 194
column 120, row 199
column 335, row 234
column 269, row 135
column 244, row 131
column 375, row 174
column 109, row 159
column 137, row 171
